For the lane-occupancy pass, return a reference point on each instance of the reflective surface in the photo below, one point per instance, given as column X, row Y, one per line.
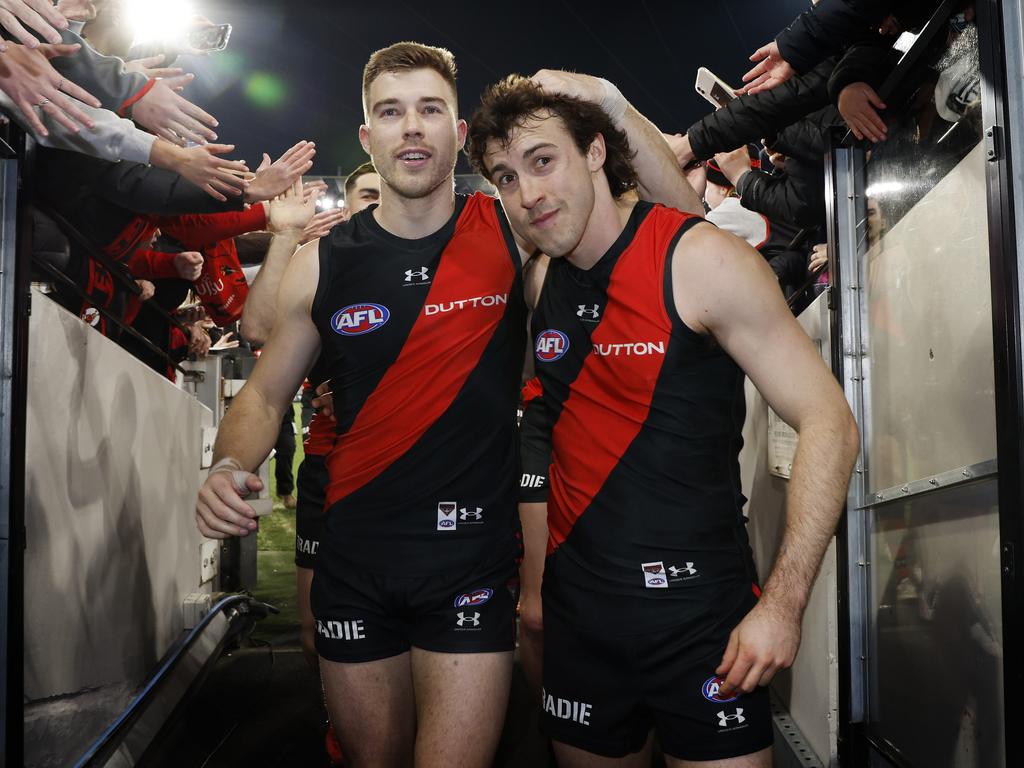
column 935, row 657
column 932, row 623
column 929, row 366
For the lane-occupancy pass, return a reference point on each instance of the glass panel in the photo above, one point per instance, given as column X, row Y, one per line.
column 929, row 366
column 935, row 639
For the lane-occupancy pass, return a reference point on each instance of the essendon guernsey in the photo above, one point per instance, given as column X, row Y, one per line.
column 423, row 343
column 645, row 507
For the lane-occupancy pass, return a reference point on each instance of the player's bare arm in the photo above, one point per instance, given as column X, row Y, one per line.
column 724, row 288
column 251, row 425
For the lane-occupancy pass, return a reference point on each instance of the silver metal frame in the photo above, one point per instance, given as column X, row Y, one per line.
column 8, row 257
column 953, row 477
column 850, row 225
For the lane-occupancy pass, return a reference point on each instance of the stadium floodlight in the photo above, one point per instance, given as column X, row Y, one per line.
column 163, row 20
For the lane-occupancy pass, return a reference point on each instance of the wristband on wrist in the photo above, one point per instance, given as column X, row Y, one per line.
column 612, row 101
column 227, row 464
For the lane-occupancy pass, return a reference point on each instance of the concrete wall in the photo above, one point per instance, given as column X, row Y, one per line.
column 113, row 456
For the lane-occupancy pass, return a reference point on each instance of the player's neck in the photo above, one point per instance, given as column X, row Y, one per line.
column 606, row 222
column 413, row 218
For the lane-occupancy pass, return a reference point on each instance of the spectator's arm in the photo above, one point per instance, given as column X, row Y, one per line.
column 788, row 199
column 870, row 63
column 103, row 76
column 808, row 139
column 752, row 117
column 110, row 138
column 827, row 28
column 152, row 265
column 195, row 230
column 30, row 81
column 142, row 188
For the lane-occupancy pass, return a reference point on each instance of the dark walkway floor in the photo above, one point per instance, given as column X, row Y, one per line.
column 261, row 707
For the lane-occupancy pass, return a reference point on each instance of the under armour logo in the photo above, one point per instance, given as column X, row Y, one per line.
column 724, row 719
column 420, row 274
column 588, row 313
column 473, row 619
column 689, row 570
column 465, row 514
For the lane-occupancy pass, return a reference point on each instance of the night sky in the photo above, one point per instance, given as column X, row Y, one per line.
column 293, row 69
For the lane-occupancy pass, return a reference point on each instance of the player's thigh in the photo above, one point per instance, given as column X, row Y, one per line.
column 574, row 757
column 461, row 700
column 371, row 707
column 760, row 759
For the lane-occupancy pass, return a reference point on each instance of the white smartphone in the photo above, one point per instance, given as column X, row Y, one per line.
column 713, row 88
column 210, row 39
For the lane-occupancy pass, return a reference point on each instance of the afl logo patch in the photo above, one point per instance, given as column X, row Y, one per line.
column 476, row 597
column 357, row 319
column 710, row 691
column 551, row 345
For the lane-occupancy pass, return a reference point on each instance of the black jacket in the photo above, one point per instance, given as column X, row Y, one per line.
column 761, row 115
column 827, row 28
column 868, row 62
column 833, row 25
column 100, row 198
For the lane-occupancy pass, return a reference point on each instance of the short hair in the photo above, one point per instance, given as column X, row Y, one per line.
column 405, row 57
column 516, row 100
column 362, row 170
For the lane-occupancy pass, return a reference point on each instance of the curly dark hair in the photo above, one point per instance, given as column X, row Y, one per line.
column 512, row 102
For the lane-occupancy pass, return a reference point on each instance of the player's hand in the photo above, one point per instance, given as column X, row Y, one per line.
column 273, row 179
column 221, row 510
column 763, row 643
column 771, row 70
column 857, row 104
column 531, row 610
column 324, row 400
column 819, row 257
column 322, row 223
column 574, row 84
column 291, row 211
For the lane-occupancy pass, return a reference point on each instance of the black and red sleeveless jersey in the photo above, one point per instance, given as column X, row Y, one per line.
column 423, row 341
column 644, row 507
column 320, row 436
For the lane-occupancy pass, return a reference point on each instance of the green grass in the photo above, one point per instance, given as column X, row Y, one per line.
column 275, row 558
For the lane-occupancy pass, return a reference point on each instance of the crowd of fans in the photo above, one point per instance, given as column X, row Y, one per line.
column 758, row 162
column 141, row 222
column 150, row 221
